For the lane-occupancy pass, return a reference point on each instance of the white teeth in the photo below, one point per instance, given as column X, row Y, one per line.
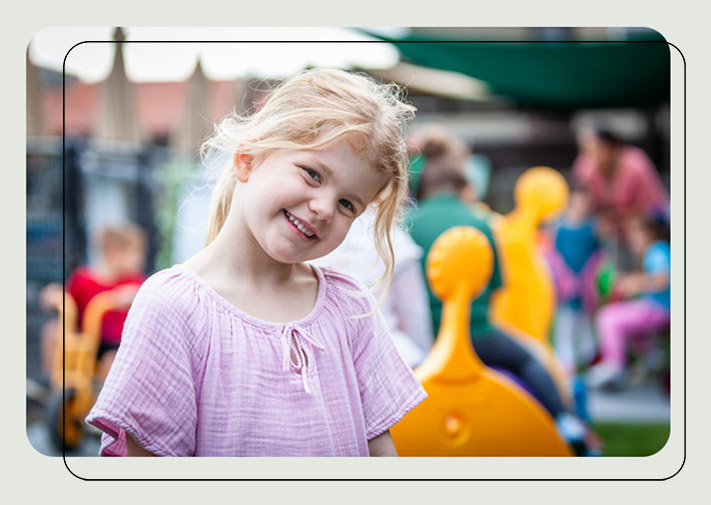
column 303, row 229
column 300, row 226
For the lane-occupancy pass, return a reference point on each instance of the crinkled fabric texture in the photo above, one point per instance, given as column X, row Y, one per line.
column 195, row 376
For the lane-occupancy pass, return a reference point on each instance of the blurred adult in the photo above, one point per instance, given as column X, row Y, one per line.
column 620, row 177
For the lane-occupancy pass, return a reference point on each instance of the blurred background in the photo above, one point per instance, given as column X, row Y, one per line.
column 134, row 112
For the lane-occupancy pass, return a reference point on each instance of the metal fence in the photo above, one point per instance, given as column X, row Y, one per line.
column 72, row 196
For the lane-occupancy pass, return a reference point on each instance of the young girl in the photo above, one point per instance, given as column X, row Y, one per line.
column 246, row 350
column 618, row 323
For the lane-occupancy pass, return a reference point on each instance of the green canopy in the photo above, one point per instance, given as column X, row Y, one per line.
column 553, row 74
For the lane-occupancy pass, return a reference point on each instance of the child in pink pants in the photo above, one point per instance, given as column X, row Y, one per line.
column 621, row 322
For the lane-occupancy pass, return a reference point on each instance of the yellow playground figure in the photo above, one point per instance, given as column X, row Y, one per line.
column 527, row 301
column 526, row 305
column 471, row 410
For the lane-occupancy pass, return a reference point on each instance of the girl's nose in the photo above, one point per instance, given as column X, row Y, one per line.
column 323, row 207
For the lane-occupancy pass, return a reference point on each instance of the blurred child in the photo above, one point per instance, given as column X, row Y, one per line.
column 435, row 144
column 647, row 305
column 122, row 260
column 576, row 242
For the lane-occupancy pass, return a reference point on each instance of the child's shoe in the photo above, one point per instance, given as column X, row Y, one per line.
column 573, row 430
column 607, row 377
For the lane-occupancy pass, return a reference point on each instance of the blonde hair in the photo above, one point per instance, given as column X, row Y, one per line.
column 309, row 110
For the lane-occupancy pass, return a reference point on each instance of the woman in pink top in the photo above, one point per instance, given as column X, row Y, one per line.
column 621, row 178
column 245, row 349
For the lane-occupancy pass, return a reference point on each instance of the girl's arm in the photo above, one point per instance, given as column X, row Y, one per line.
column 133, row 449
column 382, row 445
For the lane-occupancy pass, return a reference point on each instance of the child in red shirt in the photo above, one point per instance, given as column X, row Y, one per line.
column 123, row 251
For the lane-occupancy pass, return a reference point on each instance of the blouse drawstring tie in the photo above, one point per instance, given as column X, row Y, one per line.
column 292, row 341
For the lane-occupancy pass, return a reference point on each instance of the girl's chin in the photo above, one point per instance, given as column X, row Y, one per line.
column 288, row 253
column 294, row 260
column 289, row 257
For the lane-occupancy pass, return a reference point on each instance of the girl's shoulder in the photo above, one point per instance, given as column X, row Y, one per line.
column 169, row 288
column 168, row 279
column 336, row 276
column 338, row 280
column 349, row 305
column 345, row 290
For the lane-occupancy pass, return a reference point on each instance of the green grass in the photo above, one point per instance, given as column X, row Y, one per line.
column 632, row 439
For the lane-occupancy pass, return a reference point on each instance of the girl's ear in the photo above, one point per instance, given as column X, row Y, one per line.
column 243, row 166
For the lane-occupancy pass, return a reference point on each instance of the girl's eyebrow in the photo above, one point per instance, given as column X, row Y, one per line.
column 321, row 165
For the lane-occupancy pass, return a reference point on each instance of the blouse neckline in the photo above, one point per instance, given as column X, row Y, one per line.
column 255, row 321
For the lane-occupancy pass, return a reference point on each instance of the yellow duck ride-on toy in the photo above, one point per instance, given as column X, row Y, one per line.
column 471, row 410
column 74, row 373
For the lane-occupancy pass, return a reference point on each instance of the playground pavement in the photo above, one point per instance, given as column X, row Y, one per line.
column 644, row 402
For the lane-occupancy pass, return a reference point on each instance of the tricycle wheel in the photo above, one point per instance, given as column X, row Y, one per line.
column 64, row 437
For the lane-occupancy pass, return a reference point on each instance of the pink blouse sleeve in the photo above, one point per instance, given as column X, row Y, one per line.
column 150, row 390
column 388, row 387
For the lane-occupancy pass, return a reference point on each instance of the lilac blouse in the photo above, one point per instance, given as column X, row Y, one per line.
column 195, row 376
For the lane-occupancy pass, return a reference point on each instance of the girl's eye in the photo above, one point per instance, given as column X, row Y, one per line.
column 348, row 205
column 313, row 174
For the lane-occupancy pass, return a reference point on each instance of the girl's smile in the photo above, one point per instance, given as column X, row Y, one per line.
column 300, row 227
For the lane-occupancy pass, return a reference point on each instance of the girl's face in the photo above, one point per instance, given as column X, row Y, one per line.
column 298, row 205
